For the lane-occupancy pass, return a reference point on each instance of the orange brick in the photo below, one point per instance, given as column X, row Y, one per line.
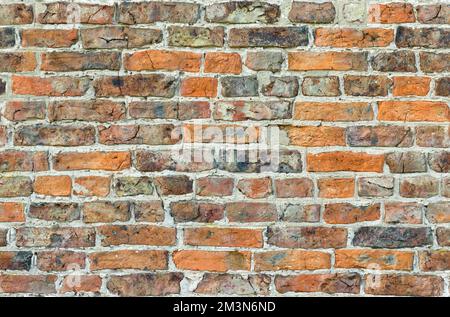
column 327, row 61
column 348, row 37
column 49, row 38
column 336, row 187
column 414, row 111
column 110, row 161
column 345, row 161
column 129, row 259
column 224, row 237
column 49, row 86
column 92, row 186
column 223, row 63
column 216, row 261
column 199, row 87
column 411, row 86
column 333, row 111
column 53, row 185
column 316, row 136
column 163, row 60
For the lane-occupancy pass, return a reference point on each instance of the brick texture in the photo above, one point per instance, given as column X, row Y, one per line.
column 132, row 158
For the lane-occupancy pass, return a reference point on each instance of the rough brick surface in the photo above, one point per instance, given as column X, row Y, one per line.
column 212, row 147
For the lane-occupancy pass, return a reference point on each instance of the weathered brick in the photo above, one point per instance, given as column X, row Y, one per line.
column 434, row 13
column 64, row 13
column 232, row 284
column 249, row 109
column 154, row 85
column 133, row 186
column 60, row 260
column 255, row 187
column 422, row 37
column 406, row 162
column 24, row 110
column 438, row 212
column 404, row 285
column 392, row 237
column 136, row 235
column 54, row 135
column 194, row 36
column 50, row 86
column 215, row 261
column 439, row 161
column 145, row 284
column 310, row 12
column 443, row 87
column 286, row 87
column 292, row 260
column 344, row 213
column 397, row 61
column 91, row 186
column 56, row 237
column 242, row 12
column 239, row 86
column 74, row 61
column 251, row 212
column 431, row 62
column 86, row 110
column 35, row 284
column 321, row 86
column 7, row 37
column 223, row 237
column 324, row 283
column 214, row 186
column 374, row 259
column 3, row 237
column 12, row 160
column 366, row 85
column 419, row 186
column 305, row 61
column 17, row 62
column 81, row 284
column 348, row 37
column 17, row 13
column 149, row 211
column 294, row 187
column 391, row 136
column 128, row 259
column 105, row 211
column 173, row 185
column 184, row 110
column 119, row 37
column 307, row 237
column 48, row 38
column 163, row 60
column 109, row 161
column 333, row 111
column 20, row 260
column 15, row 186
column 301, row 213
column 375, row 186
column 59, row 212
column 264, row 60
column 187, row 211
column 154, row 11
column 443, row 236
column 344, row 161
column 138, row 134
column 268, row 37
column 402, row 213
column 438, row 260
column 413, row 111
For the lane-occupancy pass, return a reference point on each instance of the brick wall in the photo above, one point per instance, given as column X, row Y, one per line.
column 271, row 148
